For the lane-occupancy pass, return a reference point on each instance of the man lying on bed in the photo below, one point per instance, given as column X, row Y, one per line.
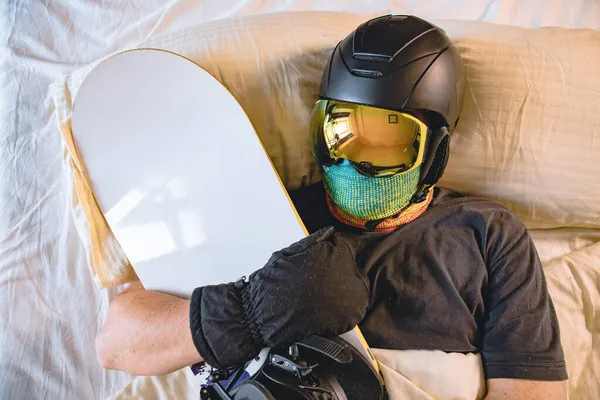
column 416, row 267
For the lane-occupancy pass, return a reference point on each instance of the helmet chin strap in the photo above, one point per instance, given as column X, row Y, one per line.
column 372, row 225
column 421, row 194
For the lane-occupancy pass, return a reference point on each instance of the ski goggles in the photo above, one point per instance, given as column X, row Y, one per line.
column 377, row 142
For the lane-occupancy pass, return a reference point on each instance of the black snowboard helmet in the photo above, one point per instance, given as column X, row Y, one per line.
column 405, row 64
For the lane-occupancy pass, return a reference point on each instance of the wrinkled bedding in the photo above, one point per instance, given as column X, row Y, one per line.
column 50, row 306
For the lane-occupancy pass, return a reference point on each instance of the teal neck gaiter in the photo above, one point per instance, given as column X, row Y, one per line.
column 366, row 197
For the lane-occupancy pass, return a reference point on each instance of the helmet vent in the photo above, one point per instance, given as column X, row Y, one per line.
column 366, row 74
column 372, row 58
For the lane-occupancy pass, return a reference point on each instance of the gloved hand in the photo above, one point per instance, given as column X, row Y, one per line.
column 310, row 288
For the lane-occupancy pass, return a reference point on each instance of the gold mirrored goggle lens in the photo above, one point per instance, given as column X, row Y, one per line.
column 378, row 142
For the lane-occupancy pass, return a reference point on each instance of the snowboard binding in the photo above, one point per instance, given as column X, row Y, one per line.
column 313, row 368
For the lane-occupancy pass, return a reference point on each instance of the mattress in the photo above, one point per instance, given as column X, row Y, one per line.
column 50, row 308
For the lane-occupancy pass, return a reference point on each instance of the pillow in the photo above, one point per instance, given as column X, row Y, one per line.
column 529, row 134
column 573, row 284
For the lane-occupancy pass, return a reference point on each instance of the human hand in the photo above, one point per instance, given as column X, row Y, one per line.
column 309, row 288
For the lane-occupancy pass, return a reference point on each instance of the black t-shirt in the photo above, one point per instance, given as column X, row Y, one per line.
column 462, row 277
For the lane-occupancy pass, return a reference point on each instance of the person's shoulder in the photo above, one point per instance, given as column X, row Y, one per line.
column 490, row 220
column 464, row 206
column 443, row 197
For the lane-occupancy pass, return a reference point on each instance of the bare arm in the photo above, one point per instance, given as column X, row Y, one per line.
column 146, row 333
column 519, row 389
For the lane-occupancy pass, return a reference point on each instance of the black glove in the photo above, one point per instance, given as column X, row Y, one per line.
column 310, row 288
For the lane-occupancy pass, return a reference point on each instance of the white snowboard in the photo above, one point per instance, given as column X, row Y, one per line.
column 179, row 173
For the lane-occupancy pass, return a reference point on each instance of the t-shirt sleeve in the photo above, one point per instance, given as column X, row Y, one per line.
column 521, row 334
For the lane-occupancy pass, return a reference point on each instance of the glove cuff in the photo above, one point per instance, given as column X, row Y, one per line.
column 198, row 337
column 221, row 331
